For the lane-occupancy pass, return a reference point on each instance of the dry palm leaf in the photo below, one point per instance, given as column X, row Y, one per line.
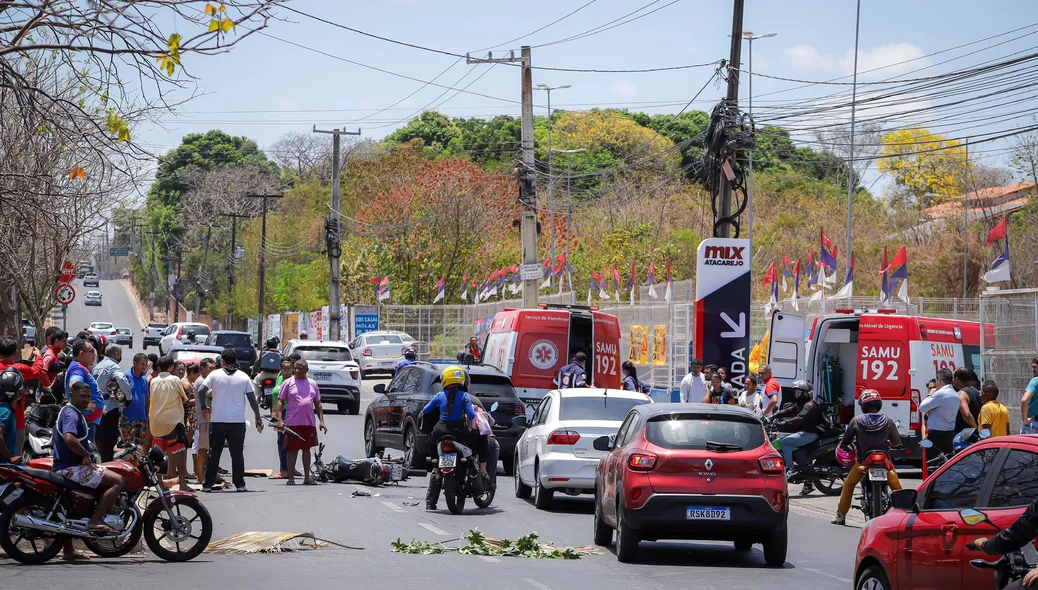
column 269, row 542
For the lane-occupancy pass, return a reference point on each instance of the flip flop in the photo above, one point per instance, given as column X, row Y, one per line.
column 309, row 482
column 77, row 556
column 278, row 476
column 290, row 482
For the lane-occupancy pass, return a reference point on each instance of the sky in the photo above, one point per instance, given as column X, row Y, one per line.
column 271, row 83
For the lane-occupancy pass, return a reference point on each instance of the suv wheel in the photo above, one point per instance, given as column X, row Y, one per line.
column 775, row 548
column 410, row 448
column 626, row 537
column 873, row 578
column 603, row 534
column 370, row 448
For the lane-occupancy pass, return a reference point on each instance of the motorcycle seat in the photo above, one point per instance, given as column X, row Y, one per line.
column 52, row 477
column 461, row 448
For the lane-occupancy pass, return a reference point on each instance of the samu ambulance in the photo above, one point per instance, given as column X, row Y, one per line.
column 531, row 345
column 896, row 355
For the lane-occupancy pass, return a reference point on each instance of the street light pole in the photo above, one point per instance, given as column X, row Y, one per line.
column 569, row 198
column 551, row 180
column 748, row 35
column 850, row 160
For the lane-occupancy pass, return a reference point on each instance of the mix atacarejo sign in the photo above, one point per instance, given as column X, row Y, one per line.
column 722, row 335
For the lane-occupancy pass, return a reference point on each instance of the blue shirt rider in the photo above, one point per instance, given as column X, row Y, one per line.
column 409, row 357
column 453, row 405
column 572, row 375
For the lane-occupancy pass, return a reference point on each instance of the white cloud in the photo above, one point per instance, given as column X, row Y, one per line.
column 625, row 89
column 891, row 57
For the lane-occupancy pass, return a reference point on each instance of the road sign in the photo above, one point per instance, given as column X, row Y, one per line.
column 68, row 272
column 65, row 294
column 531, row 272
column 118, row 251
column 365, row 322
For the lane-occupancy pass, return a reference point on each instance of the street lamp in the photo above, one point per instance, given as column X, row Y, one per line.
column 749, row 36
column 569, row 199
column 551, row 180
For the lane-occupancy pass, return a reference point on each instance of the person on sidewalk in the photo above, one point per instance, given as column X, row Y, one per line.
column 298, row 401
column 200, row 440
column 85, row 353
column 133, row 424
column 105, row 372
column 229, row 389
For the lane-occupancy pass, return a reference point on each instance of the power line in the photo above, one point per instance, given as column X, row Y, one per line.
column 610, row 25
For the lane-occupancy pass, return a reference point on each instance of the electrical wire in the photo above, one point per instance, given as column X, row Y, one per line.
column 610, row 25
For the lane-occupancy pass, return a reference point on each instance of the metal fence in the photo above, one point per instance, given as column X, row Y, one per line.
column 1009, row 345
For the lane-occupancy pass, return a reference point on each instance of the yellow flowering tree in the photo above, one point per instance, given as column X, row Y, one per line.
column 927, row 168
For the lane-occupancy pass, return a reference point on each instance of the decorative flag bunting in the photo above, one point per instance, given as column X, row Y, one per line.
column 383, row 289
column 898, row 270
column 668, row 292
column 796, row 286
column 847, row 291
column 1000, row 266
column 786, row 274
column 828, row 253
column 465, row 287
column 596, row 284
column 441, row 289
column 812, row 269
column 601, row 286
column 630, row 283
column 616, row 284
column 649, row 282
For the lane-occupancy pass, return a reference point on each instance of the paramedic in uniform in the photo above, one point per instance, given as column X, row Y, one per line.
column 572, row 375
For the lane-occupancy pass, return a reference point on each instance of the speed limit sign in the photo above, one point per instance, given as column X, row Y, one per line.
column 65, row 294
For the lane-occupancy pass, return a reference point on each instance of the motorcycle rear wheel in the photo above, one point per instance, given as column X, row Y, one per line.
column 876, row 509
column 483, row 500
column 831, row 486
column 158, row 530
column 28, row 546
column 453, row 493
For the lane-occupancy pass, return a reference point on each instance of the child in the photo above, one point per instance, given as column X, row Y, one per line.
column 993, row 415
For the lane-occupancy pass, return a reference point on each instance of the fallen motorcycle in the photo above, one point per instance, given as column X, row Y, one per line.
column 373, row 471
column 42, row 508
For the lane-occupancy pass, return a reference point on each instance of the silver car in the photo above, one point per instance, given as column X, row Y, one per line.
column 379, row 352
column 123, row 337
column 93, row 298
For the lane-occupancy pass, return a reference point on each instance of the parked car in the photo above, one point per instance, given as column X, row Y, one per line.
column 124, row 337
column 93, row 298
column 195, row 353
column 380, row 352
column 921, row 541
column 391, row 420
column 691, row 471
column 178, row 331
column 106, row 329
column 91, row 280
column 29, row 331
column 555, row 453
column 241, row 342
column 333, row 368
column 153, row 335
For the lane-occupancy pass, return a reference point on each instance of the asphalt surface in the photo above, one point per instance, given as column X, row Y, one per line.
column 820, row 555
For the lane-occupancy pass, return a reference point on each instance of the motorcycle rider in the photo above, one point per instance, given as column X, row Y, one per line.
column 268, row 365
column 410, row 354
column 11, row 386
column 453, row 405
column 871, row 431
column 800, row 420
column 1021, row 532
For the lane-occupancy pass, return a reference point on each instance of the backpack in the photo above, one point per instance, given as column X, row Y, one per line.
column 270, row 360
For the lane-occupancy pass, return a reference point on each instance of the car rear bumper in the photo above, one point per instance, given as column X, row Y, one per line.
column 91, row 302
column 148, row 340
column 377, row 365
column 338, row 394
column 566, row 470
column 664, row 516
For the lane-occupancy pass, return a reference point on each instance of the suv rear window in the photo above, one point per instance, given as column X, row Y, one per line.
column 599, row 407
column 234, row 340
column 693, row 431
column 324, row 353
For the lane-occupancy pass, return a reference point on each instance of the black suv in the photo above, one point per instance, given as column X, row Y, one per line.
column 241, row 342
column 391, row 419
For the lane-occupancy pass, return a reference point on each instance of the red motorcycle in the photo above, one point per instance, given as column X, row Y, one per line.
column 42, row 508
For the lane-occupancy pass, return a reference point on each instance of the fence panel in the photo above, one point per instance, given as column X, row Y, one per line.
column 1006, row 355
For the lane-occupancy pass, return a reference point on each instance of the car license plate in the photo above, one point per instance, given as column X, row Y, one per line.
column 448, row 460
column 322, row 376
column 877, row 474
column 268, row 390
column 708, row 513
column 396, row 472
column 386, row 364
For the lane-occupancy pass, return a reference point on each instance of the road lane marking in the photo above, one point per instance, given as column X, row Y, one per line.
column 489, row 559
column 821, row 573
column 393, row 506
column 536, row 584
column 434, row 529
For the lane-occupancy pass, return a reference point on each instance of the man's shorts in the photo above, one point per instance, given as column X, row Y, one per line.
column 201, row 438
column 133, row 431
column 173, row 443
column 85, row 475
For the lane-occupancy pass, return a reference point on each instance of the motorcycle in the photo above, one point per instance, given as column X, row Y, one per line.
column 816, row 462
column 875, row 490
column 42, row 508
column 963, row 439
column 39, row 431
column 459, row 468
column 266, row 400
column 373, row 471
column 1009, row 568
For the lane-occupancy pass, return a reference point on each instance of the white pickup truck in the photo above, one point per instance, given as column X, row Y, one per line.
column 153, row 334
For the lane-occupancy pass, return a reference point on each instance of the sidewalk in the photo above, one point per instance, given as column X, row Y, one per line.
column 818, row 505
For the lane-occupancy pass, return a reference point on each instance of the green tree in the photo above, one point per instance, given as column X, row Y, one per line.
column 435, row 130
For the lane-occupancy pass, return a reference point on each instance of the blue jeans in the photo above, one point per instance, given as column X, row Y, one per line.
column 1031, row 428
column 283, row 453
column 92, row 431
column 795, row 440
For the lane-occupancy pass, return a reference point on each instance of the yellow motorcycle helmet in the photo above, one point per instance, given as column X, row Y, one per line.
column 453, row 375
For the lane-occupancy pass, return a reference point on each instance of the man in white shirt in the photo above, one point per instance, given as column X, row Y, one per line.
column 693, row 386
column 222, row 396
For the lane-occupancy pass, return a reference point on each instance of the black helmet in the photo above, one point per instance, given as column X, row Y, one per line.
column 801, row 387
column 272, row 343
column 11, row 384
column 410, row 353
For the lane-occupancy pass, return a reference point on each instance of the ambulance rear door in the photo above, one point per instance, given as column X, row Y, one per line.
column 541, row 346
column 886, row 363
column 605, row 370
column 787, row 347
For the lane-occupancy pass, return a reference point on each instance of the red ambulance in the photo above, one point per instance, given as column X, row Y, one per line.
column 531, row 345
column 896, row 355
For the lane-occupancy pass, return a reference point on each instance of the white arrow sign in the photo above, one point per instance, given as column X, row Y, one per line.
column 738, row 328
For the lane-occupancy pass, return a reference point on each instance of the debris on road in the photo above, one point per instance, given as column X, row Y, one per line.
column 360, row 494
column 252, row 542
column 476, row 543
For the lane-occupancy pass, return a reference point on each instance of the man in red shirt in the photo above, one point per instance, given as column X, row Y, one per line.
column 9, row 358
column 772, row 390
column 57, row 340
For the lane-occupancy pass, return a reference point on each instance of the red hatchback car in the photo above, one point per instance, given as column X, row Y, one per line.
column 921, row 542
column 690, row 471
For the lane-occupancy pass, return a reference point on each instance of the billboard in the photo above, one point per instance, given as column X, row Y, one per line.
column 722, row 335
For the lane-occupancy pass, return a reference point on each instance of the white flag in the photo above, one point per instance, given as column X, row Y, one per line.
column 667, row 293
column 589, row 297
column 652, row 291
column 384, row 295
column 998, row 274
column 545, row 284
column 817, row 296
column 902, row 293
column 439, row 296
column 845, row 293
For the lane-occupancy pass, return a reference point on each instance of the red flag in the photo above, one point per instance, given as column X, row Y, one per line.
column 834, row 252
column 669, row 279
column 769, row 276
column 900, row 259
column 596, row 277
column 998, row 232
column 616, row 278
column 883, row 266
column 786, row 261
column 827, row 243
column 375, row 280
column 810, row 258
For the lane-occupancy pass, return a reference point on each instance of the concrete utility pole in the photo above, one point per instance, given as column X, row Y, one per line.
column 749, row 36
column 231, row 262
column 551, row 180
column 569, row 199
column 732, row 100
column 527, row 171
column 335, row 244
column 850, row 160
column 262, row 257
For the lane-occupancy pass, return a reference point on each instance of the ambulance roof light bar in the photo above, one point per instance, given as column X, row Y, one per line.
column 567, row 306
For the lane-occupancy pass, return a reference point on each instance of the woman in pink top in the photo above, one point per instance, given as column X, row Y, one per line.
column 298, row 402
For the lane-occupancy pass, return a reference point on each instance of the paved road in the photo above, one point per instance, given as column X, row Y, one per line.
column 820, row 555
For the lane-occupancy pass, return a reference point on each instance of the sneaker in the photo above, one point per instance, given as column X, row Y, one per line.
column 841, row 519
column 807, row 489
column 241, row 489
column 207, row 489
column 222, row 471
column 429, row 506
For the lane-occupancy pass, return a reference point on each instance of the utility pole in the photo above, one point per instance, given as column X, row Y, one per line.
column 569, row 198
column 551, row 180
column 731, row 100
column 527, row 186
column 850, row 160
column 966, row 227
column 231, row 261
column 750, row 37
column 262, row 256
column 335, row 237
column 176, row 286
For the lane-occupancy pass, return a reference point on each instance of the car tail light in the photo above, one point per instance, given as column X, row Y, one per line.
column 772, row 464
column 519, row 410
column 913, row 409
column 268, row 382
column 563, row 437
column 355, row 375
column 366, row 352
column 641, row 461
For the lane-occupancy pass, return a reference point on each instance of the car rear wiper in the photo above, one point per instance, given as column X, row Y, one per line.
column 721, row 447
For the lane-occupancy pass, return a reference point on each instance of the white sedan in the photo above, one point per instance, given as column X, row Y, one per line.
column 333, row 368
column 556, row 452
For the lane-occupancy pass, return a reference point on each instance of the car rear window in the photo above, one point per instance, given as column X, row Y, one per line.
column 383, row 339
column 102, row 326
column 193, row 356
column 159, row 326
column 599, row 407
column 198, row 329
column 234, row 340
column 124, row 331
column 693, row 431
column 324, row 353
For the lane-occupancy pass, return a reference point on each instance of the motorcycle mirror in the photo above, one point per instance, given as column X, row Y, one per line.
column 972, row 517
column 986, row 433
column 493, row 407
column 926, row 443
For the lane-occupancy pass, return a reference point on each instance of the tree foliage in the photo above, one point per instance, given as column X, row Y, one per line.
column 926, row 168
